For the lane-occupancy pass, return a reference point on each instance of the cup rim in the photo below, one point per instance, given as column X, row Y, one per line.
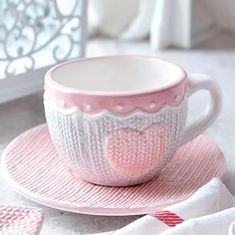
column 49, row 81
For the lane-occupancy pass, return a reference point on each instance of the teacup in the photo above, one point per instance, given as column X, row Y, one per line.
column 118, row 120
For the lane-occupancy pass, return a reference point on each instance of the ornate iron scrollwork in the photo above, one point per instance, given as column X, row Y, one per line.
column 38, row 33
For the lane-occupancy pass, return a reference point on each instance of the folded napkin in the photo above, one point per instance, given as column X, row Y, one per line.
column 206, row 212
column 215, row 224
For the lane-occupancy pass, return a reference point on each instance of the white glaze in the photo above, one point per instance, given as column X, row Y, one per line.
column 118, row 74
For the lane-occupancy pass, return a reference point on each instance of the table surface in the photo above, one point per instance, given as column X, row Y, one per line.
column 216, row 58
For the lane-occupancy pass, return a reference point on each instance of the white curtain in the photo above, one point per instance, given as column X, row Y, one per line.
column 180, row 23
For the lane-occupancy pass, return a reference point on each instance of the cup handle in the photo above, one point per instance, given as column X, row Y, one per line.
column 203, row 82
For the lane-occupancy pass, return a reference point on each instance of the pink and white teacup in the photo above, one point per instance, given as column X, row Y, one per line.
column 118, row 120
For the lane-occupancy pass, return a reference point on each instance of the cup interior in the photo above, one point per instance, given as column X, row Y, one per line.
column 117, row 74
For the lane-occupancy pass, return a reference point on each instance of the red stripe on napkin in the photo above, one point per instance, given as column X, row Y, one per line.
column 168, row 218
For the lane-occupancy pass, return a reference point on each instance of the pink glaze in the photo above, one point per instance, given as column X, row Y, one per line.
column 132, row 153
column 32, row 166
column 148, row 100
column 20, row 220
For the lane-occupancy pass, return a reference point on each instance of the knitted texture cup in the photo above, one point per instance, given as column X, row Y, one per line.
column 118, row 120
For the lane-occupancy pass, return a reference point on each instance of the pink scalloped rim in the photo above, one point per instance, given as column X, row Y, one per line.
column 149, row 100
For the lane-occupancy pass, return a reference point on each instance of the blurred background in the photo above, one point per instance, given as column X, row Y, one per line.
column 36, row 34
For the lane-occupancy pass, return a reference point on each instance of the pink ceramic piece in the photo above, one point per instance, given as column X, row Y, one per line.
column 20, row 220
column 81, row 140
column 87, row 100
column 148, row 78
column 132, row 153
column 32, row 166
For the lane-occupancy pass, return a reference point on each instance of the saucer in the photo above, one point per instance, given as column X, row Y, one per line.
column 33, row 167
column 20, row 220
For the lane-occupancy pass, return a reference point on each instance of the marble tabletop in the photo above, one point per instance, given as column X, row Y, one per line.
column 216, row 59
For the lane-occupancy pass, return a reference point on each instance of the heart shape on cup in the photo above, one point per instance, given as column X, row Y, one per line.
column 134, row 153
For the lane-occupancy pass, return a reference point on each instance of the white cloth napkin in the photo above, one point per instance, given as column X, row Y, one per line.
column 214, row 224
column 206, row 212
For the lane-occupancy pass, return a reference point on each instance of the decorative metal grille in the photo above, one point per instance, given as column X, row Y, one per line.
column 35, row 34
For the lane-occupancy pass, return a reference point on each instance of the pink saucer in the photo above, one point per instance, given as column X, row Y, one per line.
column 20, row 220
column 32, row 166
